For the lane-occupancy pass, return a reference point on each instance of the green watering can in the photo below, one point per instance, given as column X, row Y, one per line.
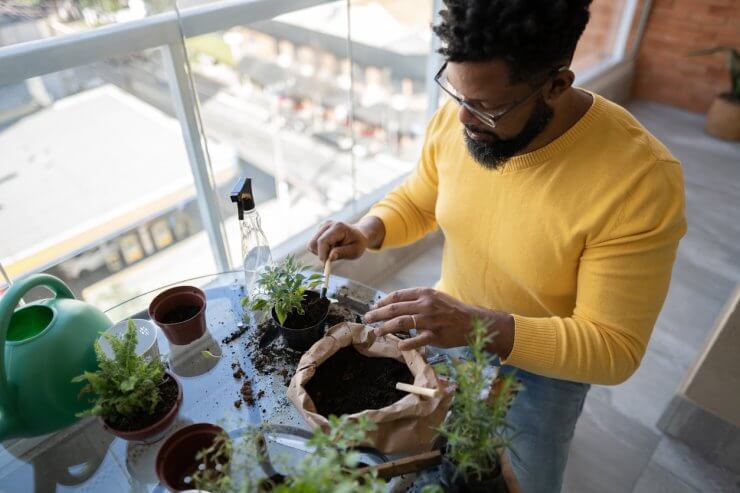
column 43, row 346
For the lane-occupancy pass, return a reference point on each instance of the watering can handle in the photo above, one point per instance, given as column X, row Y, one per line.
column 8, row 302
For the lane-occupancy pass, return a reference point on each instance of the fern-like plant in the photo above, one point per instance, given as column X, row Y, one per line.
column 281, row 287
column 477, row 429
column 125, row 385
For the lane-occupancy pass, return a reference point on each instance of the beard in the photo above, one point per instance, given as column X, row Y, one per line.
column 493, row 153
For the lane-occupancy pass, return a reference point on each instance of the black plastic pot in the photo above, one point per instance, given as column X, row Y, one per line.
column 302, row 339
column 452, row 481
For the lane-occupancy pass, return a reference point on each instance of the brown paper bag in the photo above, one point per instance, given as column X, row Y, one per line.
column 405, row 426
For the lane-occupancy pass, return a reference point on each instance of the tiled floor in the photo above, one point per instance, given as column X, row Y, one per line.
column 617, row 446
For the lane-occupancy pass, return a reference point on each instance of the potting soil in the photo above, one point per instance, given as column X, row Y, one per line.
column 349, row 382
column 141, row 420
column 314, row 309
column 180, row 314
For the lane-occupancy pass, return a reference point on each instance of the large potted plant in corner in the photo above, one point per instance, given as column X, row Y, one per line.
column 135, row 397
column 476, row 432
column 723, row 117
column 288, row 291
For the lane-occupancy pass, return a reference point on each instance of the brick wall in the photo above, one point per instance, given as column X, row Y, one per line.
column 665, row 73
column 596, row 42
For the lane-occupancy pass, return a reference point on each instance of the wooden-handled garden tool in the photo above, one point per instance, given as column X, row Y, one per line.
column 327, row 275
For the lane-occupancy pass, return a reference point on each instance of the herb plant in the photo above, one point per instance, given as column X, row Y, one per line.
column 125, row 385
column 215, row 462
column 477, row 429
column 281, row 287
column 331, row 467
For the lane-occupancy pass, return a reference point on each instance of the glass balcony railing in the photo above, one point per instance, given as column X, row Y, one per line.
column 123, row 124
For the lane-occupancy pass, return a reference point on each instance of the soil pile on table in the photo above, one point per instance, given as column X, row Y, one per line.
column 245, row 391
column 350, row 382
column 276, row 358
column 241, row 328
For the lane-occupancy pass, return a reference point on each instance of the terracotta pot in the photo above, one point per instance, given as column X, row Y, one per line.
column 302, row 339
column 723, row 118
column 181, row 332
column 176, row 460
column 153, row 432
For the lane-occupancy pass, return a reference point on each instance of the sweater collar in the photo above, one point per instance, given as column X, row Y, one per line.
column 560, row 144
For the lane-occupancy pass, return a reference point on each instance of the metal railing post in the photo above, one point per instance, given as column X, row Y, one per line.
column 434, row 61
column 184, row 100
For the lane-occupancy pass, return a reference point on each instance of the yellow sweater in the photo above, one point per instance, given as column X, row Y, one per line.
column 576, row 240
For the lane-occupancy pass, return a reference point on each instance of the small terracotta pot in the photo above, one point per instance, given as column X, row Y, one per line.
column 169, row 302
column 723, row 118
column 153, row 432
column 177, row 461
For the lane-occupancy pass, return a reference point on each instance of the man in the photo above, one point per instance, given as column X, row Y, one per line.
column 561, row 216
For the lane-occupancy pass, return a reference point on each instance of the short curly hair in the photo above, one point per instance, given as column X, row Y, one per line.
column 533, row 36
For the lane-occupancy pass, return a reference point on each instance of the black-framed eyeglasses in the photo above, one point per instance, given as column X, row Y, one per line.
column 488, row 118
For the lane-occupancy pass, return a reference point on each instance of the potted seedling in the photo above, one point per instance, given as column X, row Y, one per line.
column 476, row 431
column 332, row 465
column 288, row 292
column 723, row 117
column 135, row 397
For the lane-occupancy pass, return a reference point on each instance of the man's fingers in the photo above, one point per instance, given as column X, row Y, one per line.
column 393, row 310
column 398, row 324
column 330, row 238
column 313, row 245
column 343, row 252
column 424, row 338
column 410, row 294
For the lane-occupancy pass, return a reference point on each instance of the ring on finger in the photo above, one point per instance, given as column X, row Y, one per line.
column 413, row 319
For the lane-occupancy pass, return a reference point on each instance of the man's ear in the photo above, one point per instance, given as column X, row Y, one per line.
column 560, row 83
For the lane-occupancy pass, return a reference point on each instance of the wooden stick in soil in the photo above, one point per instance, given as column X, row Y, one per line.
column 327, row 275
column 407, row 465
column 415, row 389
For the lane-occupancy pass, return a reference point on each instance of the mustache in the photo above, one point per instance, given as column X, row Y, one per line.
column 481, row 131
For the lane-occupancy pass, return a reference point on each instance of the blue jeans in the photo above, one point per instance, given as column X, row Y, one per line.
column 544, row 416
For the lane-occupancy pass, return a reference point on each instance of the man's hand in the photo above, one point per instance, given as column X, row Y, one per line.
column 440, row 320
column 346, row 241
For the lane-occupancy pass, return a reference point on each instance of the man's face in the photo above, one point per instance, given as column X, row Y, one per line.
column 485, row 85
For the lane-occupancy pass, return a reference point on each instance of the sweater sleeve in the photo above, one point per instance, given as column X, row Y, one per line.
column 623, row 280
column 407, row 212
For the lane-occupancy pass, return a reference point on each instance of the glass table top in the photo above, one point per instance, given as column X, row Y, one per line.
column 84, row 457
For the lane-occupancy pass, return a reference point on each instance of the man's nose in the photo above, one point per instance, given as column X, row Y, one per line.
column 466, row 117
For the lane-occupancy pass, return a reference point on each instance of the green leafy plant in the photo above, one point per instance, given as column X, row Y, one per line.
column 733, row 66
column 215, row 462
column 125, row 385
column 281, row 287
column 331, row 467
column 477, row 429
